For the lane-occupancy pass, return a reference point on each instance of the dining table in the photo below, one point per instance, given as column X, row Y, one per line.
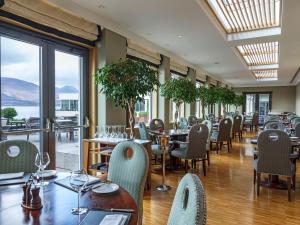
column 57, row 204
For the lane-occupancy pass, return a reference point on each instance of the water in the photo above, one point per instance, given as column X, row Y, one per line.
column 25, row 112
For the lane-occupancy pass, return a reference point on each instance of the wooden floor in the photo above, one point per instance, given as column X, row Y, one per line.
column 230, row 193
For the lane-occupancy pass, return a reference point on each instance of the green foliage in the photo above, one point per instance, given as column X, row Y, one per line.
column 9, row 113
column 225, row 96
column 142, row 114
column 239, row 100
column 126, row 82
column 179, row 90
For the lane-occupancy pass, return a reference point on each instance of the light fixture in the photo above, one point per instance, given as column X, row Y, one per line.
column 265, row 75
column 264, row 55
column 180, row 36
column 246, row 15
column 101, row 6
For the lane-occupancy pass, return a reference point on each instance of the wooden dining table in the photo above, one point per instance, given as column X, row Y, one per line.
column 57, row 204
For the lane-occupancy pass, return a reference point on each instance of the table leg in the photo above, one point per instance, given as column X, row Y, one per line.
column 163, row 186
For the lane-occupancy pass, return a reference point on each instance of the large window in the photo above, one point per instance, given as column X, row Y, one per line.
column 173, row 105
column 198, row 103
column 143, row 110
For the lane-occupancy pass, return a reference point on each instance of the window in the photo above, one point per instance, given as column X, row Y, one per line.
column 198, row 103
column 246, row 15
column 143, row 110
column 173, row 105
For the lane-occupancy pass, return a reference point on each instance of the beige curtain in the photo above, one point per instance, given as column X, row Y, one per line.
column 141, row 52
column 47, row 14
column 178, row 67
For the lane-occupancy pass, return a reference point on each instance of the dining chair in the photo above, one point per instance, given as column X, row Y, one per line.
column 254, row 122
column 195, row 148
column 183, row 123
column 231, row 134
column 236, row 127
column 210, row 127
column 189, row 204
column 17, row 156
column 156, row 125
column 274, row 158
column 128, row 167
column 192, row 120
column 295, row 120
column 222, row 135
column 144, row 135
column 297, row 129
column 274, row 125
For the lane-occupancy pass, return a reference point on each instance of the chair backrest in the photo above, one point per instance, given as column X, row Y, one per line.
column 17, row 156
column 144, row 134
column 295, row 120
column 192, row 120
column 297, row 129
column 157, row 124
column 274, row 125
column 183, row 123
column 255, row 119
column 130, row 172
column 225, row 129
column 274, row 152
column 237, row 120
column 189, row 204
column 209, row 125
column 210, row 117
column 292, row 117
column 198, row 136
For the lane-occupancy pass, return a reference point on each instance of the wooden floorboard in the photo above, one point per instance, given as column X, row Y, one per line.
column 230, row 193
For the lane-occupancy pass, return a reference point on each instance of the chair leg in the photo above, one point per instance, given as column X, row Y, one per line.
column 221, row 145
column 258, row 183
column 204, row 167
column 254, row 177
column 289, row 181
column 185, row 165
column 208, row 157
column 294, row 182
column 155, row 159
column 228, row 145
column 217, row 147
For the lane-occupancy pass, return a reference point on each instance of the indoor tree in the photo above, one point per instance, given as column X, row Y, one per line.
column 127, row 82
column 225, row 97
column 238, row 101
column 179, row 91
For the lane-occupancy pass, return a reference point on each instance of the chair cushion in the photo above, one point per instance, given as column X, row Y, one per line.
column 179, row 153
column 214, row 136
column 156, row 150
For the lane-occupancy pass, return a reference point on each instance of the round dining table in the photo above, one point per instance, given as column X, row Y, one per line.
column 57, row 204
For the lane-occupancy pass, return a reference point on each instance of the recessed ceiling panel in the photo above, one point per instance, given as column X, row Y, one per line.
column 246, row 15
column 266, row 75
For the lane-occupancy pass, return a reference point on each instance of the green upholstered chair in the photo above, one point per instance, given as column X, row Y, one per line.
column 183, row 123
column 17, row 156
column 130, row 172
column 189, row 205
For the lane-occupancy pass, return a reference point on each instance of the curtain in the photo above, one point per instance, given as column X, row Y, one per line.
column 50, row 15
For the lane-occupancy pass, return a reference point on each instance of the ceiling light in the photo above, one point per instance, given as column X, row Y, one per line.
column 180, row 36
column 101, row 6
column 265, row 75
column 261, row 54
column 246, row 15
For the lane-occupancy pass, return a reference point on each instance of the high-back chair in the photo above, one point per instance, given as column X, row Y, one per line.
column 156, row 125
column 189, row 204
column 192, row 120
column 297, row 129
column 255, row 121
column 183, row 123
column 236, row 127
column 195, row 148
column 222, row 135
column 17, row 156
column 210, row 127
column 274, row 157
column 295, row 120
column 130, row 172
column 144, row 135
column 274, row 125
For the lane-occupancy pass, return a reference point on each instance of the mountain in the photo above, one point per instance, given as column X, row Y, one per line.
column 16, row 92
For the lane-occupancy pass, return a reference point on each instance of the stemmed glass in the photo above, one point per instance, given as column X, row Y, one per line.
column 42, row 160
column 78, row 181
column 124, row 132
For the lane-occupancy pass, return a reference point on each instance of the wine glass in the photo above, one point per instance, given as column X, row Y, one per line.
column 124, row 133
column 42, row 160
column 78, row 181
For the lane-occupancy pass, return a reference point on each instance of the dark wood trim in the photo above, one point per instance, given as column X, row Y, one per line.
column 44, row 28
column 142, row 60
column 177, row 73
column 200, row 81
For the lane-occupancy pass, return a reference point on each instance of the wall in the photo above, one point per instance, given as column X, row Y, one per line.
column 283, row 97
column 297, row 99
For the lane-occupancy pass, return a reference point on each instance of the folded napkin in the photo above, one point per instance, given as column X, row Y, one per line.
column 91, row 180
column 9, row 176
column 114, row 219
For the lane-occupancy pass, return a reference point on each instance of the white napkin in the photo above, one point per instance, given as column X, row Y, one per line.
column 114, row 219
column 9, row 176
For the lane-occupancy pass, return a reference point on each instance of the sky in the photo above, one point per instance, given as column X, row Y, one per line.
column 21, row 60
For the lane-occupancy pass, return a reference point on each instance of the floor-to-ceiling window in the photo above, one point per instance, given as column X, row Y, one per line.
column 173, row 105
column 43, row 79
column 198, row 103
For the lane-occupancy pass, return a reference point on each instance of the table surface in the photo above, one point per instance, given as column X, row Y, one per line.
column 115, row 141
column 171, row 132
column 57, row 205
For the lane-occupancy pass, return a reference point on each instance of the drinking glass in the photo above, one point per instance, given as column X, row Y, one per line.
column 119, row 132
column 42, row 160
column 78, row 181
column 113, row 132
column 124, row 132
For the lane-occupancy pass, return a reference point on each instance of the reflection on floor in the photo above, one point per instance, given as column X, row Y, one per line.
column 230, row 193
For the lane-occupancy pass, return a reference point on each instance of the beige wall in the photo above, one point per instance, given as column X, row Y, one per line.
column 297, row 99
column 283, row 97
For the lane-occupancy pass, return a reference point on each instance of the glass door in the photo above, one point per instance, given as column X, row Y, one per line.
column 20, row 89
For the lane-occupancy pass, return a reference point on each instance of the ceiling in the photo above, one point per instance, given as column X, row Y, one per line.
column 161, row 23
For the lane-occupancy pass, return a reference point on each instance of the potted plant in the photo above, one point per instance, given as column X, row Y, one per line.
column 126, row 83
column 179, row 91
